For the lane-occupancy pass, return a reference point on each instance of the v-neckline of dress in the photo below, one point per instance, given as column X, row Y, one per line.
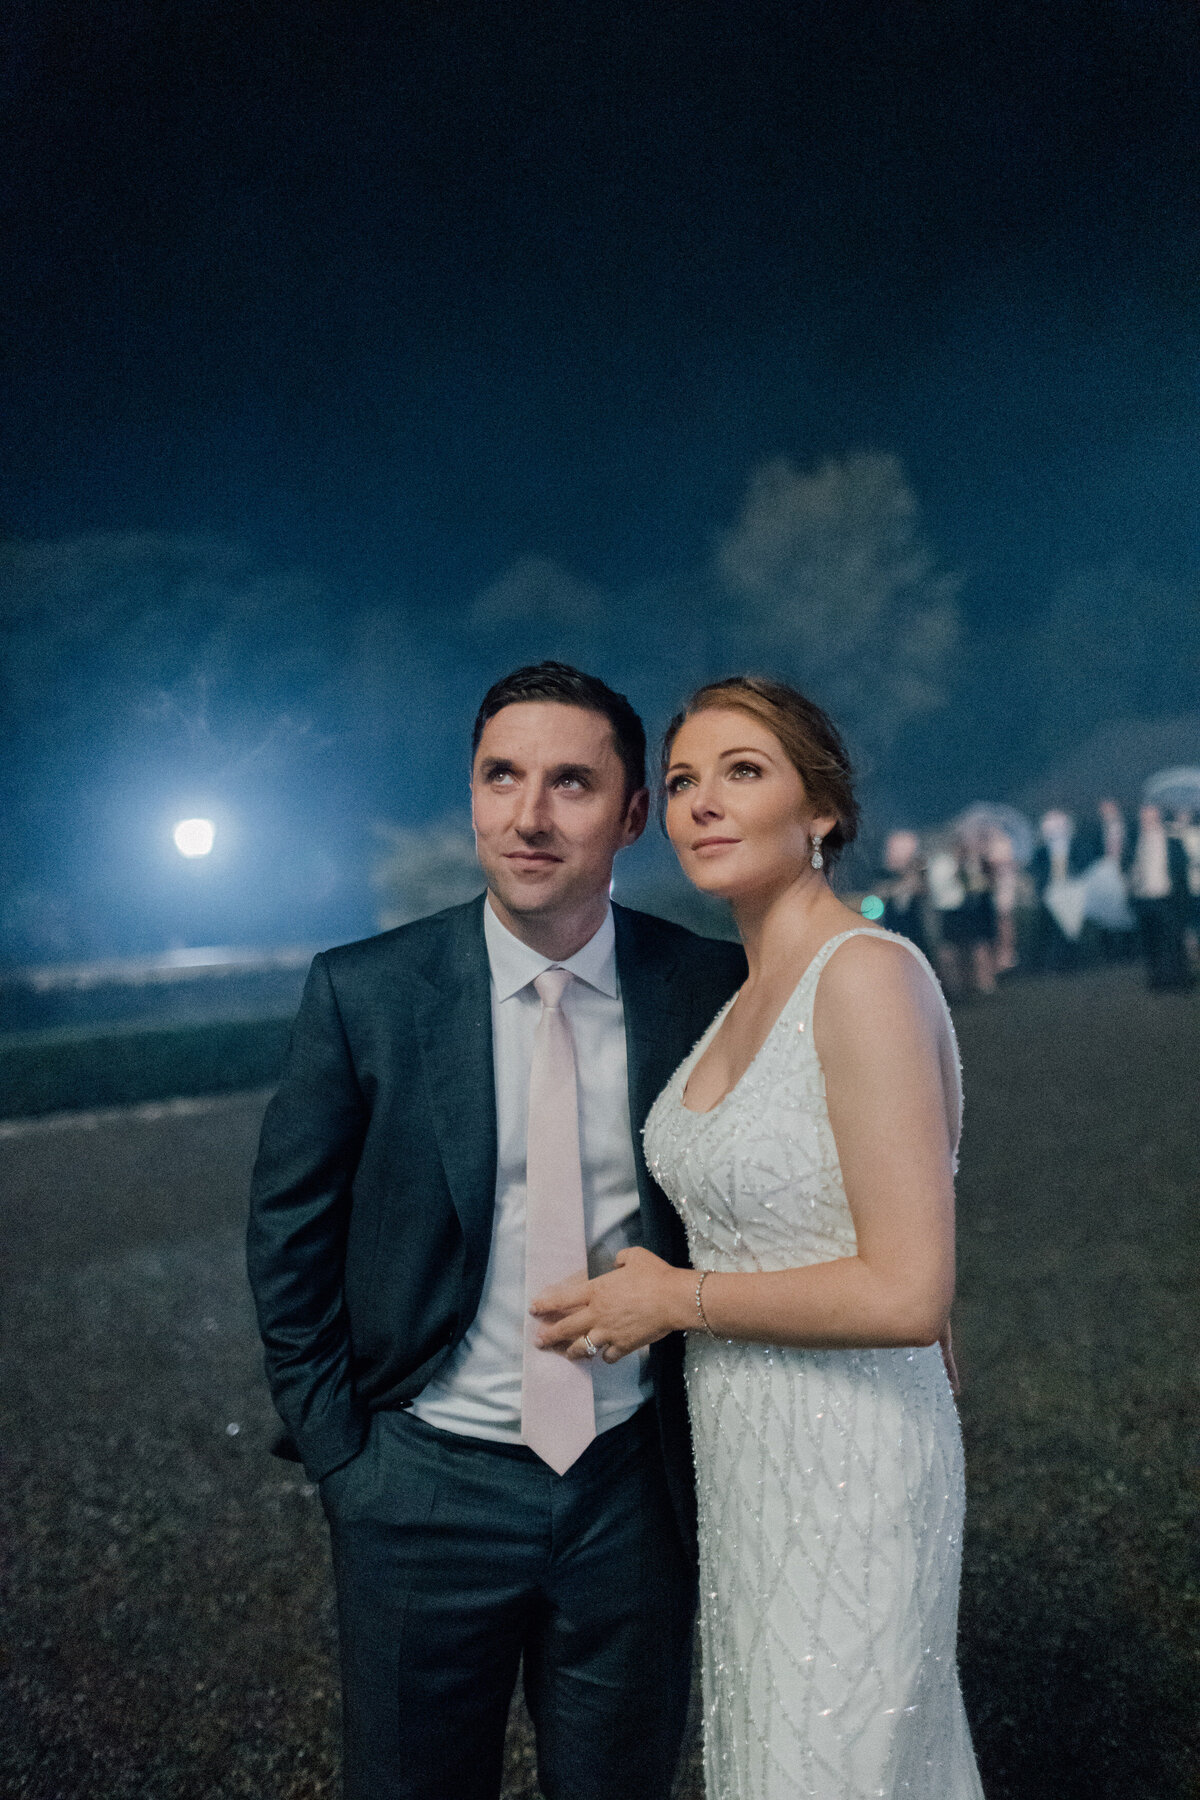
column 706, row 1111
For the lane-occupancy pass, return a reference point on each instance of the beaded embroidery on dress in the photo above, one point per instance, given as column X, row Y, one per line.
column 830, row 1482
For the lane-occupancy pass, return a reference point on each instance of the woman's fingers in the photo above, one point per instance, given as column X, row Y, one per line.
column 559, row 1333
column 610, row 1353
column 570, row 1336
column 621, row 1310
column 563, row 1297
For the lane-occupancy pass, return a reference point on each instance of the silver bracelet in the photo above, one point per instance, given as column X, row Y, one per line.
column 700, row 1306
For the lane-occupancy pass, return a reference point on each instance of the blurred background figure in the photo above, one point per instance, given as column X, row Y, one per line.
column 1056, row 869
column 976, row 922
column 960, row 883
column 946, row 896
column 1185, row 827
column 903, row 889
column 1106, row 909
column 1158, row 889
column 997, row 842
column 1112, row 830
column 1002, row 859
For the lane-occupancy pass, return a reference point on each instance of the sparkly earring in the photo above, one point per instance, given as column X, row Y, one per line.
column 818, row 861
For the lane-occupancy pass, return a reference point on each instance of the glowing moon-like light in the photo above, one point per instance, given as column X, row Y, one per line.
column 194, row 837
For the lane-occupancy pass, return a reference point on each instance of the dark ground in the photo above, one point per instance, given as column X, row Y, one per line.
column 167, row 1619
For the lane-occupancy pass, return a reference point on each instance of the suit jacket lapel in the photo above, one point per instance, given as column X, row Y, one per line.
column 453, row 1012
column 657, row 1033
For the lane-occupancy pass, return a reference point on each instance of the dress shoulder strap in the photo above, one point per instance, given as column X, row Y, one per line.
column 951, row 1060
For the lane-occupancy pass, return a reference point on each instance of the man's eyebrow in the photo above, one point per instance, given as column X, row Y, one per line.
column 501, row 765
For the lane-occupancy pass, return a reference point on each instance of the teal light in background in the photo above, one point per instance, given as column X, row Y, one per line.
column 872, row 907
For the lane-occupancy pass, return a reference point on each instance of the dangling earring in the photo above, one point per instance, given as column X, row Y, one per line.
column 818, row 861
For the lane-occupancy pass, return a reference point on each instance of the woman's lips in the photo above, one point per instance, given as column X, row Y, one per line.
column 714, row 843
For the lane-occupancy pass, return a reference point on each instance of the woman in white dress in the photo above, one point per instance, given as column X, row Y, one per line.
column 809, row 1143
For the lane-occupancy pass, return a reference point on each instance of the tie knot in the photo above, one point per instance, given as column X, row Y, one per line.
column 551, row 985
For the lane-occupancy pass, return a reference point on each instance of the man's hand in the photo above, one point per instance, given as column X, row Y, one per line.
column 640, row 1301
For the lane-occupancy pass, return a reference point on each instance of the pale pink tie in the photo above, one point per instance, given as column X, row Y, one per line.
column 558, row 1412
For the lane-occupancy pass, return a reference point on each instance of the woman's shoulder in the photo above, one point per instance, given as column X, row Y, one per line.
column 866, row 970
column 860, row 947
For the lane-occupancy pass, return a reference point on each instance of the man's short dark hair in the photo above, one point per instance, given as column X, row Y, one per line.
column 571, row 687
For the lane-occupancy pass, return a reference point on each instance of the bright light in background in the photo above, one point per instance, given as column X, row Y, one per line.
column 194, row 837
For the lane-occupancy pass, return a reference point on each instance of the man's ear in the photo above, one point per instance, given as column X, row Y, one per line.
column 636, row 814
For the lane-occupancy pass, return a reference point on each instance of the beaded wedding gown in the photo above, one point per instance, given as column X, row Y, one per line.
column 830, row 1482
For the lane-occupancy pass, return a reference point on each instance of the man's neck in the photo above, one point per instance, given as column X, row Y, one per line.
column 558, row 935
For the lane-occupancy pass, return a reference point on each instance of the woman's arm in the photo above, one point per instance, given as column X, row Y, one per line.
column 877, row 1027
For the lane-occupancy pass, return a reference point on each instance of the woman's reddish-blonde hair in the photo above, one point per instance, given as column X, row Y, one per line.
column 810, row 739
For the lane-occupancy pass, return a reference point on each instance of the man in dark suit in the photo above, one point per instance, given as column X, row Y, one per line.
column 1060, row 857
column 419, row 1122
column 1157, row 866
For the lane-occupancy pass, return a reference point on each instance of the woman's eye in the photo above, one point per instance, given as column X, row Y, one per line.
column 745, row 769
column 677, row 784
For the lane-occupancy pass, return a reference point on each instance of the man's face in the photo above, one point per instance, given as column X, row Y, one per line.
column 549, row 808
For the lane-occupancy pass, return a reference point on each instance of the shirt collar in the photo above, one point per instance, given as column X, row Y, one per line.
column 514, row 965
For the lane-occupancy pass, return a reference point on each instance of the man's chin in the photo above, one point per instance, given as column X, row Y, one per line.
column 530, row 895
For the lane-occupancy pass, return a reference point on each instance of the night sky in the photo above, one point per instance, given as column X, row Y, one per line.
column 380, row 302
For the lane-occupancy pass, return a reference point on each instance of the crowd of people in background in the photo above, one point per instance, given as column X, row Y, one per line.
column 981, row 904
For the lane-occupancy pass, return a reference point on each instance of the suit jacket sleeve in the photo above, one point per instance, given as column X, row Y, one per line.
column 1177, row 869
column 299, row 1213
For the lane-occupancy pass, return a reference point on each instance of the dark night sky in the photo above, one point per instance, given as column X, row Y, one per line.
column 422, row 288
column 401, row 293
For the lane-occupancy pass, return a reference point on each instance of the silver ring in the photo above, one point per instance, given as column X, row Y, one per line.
column 592, row 1349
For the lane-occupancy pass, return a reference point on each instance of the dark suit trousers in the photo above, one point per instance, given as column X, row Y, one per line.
column 455, row 1559
column 1161, row 927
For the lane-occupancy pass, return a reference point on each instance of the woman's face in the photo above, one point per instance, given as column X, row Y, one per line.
column 738, row 815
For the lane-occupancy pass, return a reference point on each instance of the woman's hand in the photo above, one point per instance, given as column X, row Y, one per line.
column 640, row 1301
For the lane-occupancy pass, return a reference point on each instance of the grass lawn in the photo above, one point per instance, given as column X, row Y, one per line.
column 164, row 1589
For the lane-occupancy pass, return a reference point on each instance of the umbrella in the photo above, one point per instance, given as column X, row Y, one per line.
column 993, row 815
column 1174, row 789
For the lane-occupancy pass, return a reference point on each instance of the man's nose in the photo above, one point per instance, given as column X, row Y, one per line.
column 533, row 810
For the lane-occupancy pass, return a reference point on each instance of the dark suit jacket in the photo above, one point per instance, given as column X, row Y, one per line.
column 373, row 1192
column 1079, row 857
column 1177, row 870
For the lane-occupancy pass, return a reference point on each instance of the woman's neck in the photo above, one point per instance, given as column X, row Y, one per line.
column 775, row 923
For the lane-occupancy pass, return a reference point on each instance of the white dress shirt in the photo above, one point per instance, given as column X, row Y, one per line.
column 1150, row 877
column 477, row 1391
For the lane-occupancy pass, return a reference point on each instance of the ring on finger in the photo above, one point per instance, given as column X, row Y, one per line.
column 592, row 1349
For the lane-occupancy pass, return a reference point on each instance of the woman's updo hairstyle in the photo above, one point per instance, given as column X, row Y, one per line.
column 809, row 737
